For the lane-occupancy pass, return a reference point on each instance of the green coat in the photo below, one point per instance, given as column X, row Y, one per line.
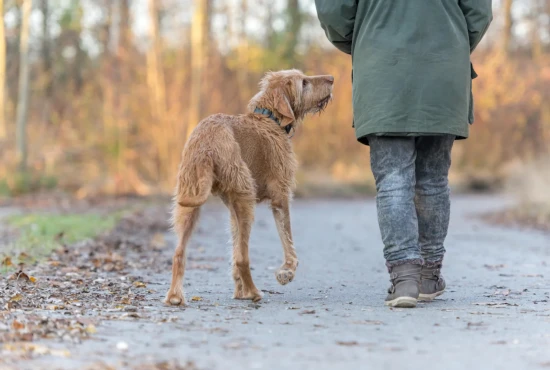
column 411, row 62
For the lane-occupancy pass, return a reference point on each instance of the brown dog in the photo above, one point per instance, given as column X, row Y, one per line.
column 244, row 160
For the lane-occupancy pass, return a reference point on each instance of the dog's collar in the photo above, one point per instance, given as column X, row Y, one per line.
column 270, row 115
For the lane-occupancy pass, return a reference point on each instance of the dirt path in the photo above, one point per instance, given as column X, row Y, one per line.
column 496, row 313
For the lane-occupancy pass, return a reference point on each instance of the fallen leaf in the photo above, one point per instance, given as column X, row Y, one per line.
column 32, row 279
column 7, row 262
column 158, row 241
column 368, row 322
column 139, row 284
column 90, row 329
column 17, row 325
column 494, row 267
column 19, row 275
column 495, row 304
column 16, row 298
column 347, row 344
column 196, row 299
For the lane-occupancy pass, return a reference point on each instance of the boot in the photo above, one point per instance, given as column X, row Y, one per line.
column 405, row 287
column 432, row 283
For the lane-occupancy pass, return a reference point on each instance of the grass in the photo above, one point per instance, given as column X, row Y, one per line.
column 40, row 234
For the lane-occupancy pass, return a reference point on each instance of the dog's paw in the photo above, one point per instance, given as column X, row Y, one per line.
column 285, row 276
column 254, row 296
column 174, row 299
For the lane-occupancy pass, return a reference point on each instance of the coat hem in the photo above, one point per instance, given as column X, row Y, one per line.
column 362, row 134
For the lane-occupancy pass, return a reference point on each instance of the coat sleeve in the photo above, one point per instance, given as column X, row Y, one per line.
column 337, row 19
column 478, row 14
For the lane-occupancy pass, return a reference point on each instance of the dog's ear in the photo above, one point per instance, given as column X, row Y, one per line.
column 282, row 105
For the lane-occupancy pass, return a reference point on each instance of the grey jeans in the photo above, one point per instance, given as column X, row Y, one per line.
column 412, row 200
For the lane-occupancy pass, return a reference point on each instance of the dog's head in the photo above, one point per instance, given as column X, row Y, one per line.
column 291, row 95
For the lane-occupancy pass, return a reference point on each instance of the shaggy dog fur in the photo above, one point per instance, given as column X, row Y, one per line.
column 244, row 160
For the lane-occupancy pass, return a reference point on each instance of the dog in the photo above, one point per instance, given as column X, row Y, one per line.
column 246, row 159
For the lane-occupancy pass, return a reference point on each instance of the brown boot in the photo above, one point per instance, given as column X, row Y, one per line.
column 405, row 287
column 432, row 283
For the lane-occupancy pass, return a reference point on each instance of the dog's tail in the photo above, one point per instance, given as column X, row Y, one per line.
column 195, row 183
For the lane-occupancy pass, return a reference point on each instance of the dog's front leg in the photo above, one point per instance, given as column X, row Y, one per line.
column 281, row 213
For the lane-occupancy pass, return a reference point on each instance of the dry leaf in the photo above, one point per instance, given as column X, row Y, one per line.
column 32, row 279
column 90, row 329
column 7, row 262
column 348, row 344
column 139, row 284
column 19, row 275
column 17, row 325
column 16, row 298
column 196, row 299
column 158, row 241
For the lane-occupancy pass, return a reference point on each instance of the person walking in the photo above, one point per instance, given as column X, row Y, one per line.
column 412, row 98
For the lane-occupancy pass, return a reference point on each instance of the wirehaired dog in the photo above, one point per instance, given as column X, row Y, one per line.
column 246, row 159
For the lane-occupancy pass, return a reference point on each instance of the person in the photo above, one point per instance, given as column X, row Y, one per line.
column 412, row 80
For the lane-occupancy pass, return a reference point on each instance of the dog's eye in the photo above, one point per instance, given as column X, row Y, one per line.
column 304, row 83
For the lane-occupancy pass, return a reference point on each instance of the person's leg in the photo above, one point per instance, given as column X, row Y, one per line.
column 433, row 207
column 393, row 166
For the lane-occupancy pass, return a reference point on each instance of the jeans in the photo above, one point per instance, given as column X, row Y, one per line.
column 413, row 196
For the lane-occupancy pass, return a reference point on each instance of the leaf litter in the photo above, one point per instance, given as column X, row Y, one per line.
column 68, row 296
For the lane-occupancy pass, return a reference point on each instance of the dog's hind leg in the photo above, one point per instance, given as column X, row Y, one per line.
column 185, row 220
column 242, row 215
column 281, row 213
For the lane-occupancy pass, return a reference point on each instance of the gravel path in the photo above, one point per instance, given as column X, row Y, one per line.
column 495, row 314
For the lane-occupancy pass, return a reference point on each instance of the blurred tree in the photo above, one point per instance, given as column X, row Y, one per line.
column 23, row 98
column 3, row 128
column 535, row 20
column 47, row 70
column 46, row 54
column 243, row 51
column 155, row 75
column 199, row 30
column 508, row 26
column 295, row 21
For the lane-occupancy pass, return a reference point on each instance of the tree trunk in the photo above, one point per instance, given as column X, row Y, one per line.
column 46, row 57
column 3, row 128
column 23, row 98
column 155, row 75
column 295, row 25
column 157, row 90
column 198, row 27
column 508, row 26
column 536, row 42
column 242, row 68
column 47, row 68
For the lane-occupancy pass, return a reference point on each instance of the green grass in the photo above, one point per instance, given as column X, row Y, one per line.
column 40, row 234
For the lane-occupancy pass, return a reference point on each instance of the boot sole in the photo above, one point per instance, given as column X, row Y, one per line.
column 430, row 297
column 402, row 302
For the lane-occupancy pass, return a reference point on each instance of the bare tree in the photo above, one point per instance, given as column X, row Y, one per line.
column 47, row 66
column 295, row 17
column 198, row 37
column 23, row 98
column 242, row 70
column 46, row 57
column 3, row 128
column 155, row 75
column 508, row 26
